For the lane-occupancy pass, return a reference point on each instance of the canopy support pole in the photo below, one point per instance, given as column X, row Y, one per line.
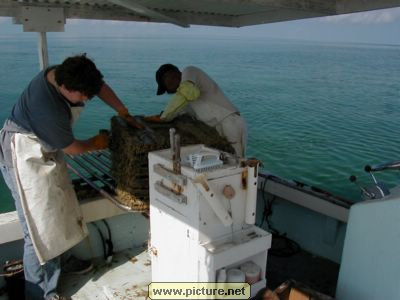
column 43, row 50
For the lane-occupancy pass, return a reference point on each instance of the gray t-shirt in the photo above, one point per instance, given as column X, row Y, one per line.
column 212, row 106
column 43, row 111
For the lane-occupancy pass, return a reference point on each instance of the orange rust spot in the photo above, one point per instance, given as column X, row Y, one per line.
column 244, row 179
column 254, row 163
column 177, row 188
column 147, row 263
column 153, row 251
column 133, row 259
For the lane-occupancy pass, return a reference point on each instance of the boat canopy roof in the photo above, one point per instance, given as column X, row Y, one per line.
column 230, row 13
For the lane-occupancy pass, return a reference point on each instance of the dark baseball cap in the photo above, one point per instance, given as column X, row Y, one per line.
column 159, row 76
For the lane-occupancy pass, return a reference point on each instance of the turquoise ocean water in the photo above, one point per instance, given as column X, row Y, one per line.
column 316, row 112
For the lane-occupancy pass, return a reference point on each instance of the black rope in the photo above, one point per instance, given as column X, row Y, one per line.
column 102, row 240
column 110, row 245
column 282, row 246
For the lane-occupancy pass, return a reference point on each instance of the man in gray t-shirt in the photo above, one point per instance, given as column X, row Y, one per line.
column 47, row 109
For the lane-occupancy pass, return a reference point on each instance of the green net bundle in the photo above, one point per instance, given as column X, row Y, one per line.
column 130, row 147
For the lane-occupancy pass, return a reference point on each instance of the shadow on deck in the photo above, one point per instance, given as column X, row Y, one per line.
column 317, row 273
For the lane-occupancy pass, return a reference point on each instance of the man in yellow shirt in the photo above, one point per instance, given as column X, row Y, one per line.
column 199, row 96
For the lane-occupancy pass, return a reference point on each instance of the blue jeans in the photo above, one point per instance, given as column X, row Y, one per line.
column 40, row 280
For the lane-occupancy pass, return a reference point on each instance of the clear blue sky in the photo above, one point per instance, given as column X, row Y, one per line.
column 381, row 26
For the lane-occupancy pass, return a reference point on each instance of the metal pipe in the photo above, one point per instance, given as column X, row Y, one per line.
column 178, row 147
column 91, row 172
column 177, row 155
column 95, row 164
column 100, row 190
column 105, row 153
column 308, row 189
column 43, row 51
column 172, row 141
column 106, row 161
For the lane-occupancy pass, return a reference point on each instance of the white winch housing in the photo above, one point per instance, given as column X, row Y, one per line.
column 196, row 230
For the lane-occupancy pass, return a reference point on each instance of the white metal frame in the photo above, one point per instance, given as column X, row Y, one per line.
column 306, row 200
column 232, row 13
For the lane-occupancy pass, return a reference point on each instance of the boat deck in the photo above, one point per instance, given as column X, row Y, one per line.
column 317, row 273
column 127, row 277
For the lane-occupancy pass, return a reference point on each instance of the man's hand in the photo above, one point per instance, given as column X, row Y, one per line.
column 132, row 122
column 124, row 114
column 100, row 141
column 153, row 119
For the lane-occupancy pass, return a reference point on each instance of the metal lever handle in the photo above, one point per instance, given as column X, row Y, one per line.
column 204, row 188
column 170, row 194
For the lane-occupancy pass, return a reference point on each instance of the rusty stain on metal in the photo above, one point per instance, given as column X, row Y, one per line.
column 205, row 185
column 147, row 263
column 153, row 251
column 142, row 293
column 254, row 163
column 177, row 188
column 202, row 180
column 80, row 223
column 244, row 179
column 133, row 259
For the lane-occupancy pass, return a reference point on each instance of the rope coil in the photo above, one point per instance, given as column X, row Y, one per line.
column 12, row 268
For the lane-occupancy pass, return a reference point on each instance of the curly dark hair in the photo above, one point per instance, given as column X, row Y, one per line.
column 79, row 73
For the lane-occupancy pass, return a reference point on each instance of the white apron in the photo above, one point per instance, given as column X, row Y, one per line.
column 49, row 202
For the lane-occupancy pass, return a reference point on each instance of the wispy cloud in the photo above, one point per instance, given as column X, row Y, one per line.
column 371, row 17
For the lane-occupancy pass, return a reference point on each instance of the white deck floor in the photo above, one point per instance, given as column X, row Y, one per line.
column 126, row 278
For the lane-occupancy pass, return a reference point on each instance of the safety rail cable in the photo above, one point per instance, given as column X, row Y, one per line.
column 308, row 189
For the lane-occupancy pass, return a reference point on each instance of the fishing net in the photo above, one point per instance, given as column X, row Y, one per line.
column 130, row 147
